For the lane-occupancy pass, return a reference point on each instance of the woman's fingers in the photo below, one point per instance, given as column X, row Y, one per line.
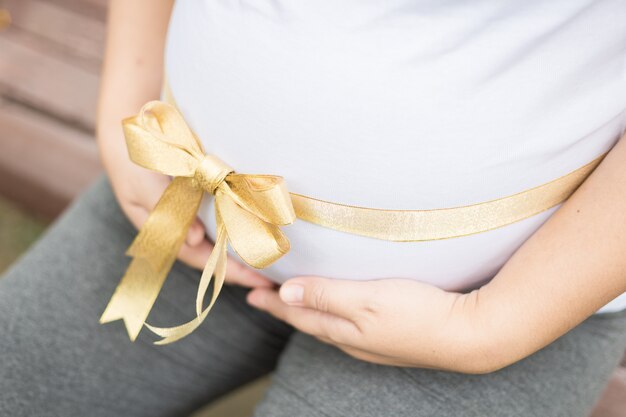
column 240, row 274
column 307, row 320
column 196, row 233
column 236, row 273
column 344, row 298
column 196, row 256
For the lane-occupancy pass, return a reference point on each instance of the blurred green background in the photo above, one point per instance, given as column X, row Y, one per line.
column 18, row 231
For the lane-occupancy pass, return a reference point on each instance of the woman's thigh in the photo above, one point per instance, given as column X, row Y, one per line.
column 563, row 379
column 57, row 360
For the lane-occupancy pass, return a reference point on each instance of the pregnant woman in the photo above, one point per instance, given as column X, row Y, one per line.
column 398, row 105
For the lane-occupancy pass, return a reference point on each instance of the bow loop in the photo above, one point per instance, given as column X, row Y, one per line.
column 249, row 211
column 164, row 121
column 257, row 242
column 264, row 195
column 158, row 139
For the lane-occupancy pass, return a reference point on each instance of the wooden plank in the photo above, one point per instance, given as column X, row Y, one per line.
column 90, row 8
column 47, row 83
column 43, row 163
column 59, row 29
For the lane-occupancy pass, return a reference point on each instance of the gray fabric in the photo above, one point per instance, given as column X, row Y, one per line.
column 563, row 379
column 56, row 360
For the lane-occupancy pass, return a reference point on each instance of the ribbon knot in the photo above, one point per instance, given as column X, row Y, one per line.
column 249, row 208
column 211, row 172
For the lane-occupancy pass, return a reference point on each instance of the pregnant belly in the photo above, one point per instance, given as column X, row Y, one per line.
column 456, row 264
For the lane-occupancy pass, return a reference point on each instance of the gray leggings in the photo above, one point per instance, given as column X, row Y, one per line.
column 56, row 360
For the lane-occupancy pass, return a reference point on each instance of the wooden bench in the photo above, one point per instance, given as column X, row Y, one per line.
column 50, row 57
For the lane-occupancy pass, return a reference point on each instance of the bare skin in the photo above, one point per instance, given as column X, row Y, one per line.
column 132, row 74
column 570, row 267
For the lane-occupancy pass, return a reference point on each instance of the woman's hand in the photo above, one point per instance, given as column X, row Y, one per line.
column 132, row 75
column 569, row 268
column 398, row 322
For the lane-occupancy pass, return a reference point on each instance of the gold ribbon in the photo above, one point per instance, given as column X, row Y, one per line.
column 249, row 209
column 441, row 223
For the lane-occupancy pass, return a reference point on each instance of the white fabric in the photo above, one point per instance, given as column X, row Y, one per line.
column 455, row 102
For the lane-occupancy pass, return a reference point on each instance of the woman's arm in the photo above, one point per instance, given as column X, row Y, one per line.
column 132, row 72
column 574, row 264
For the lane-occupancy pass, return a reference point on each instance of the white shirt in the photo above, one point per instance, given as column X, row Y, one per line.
column 452, row 102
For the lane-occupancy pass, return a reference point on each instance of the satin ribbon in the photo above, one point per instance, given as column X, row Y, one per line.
column 249, row 210
column 441, row 223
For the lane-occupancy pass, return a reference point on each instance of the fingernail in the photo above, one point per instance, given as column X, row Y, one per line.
column 292, row 293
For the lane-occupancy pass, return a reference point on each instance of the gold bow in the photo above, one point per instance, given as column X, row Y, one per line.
column 248, row 211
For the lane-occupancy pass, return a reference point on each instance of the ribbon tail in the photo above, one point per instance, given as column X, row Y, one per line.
column 215, row 264
column 165, row 229
column 135, row 295
column 154, row 251
column 256, row 241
